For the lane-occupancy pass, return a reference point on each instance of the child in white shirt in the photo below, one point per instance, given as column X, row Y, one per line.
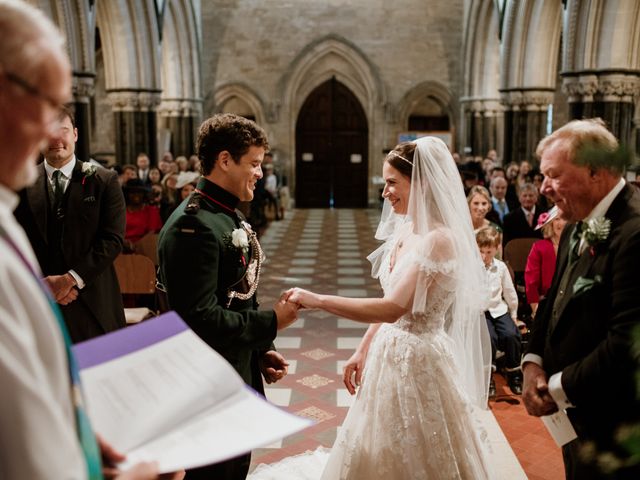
column 502, row 308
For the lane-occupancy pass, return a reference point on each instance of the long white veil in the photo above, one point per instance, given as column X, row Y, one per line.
column 437, row 202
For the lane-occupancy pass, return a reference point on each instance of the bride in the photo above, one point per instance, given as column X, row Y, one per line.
column 427, row 352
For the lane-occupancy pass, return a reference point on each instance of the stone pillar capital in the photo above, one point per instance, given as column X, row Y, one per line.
column 180, row 107
column 133, row 100
column 527, row 100
column 83, row 88
column 608, row 87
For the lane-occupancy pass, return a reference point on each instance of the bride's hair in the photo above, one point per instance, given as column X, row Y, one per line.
column 401, row 158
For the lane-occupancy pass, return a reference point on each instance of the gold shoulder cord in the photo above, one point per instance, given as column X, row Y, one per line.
column 253, row 270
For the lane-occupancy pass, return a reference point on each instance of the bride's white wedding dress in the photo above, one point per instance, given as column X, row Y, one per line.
column 410, row 418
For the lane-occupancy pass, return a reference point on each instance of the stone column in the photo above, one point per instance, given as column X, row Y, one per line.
column 525, row 122
column 135, row 123
column 83, row 90
column 182, row 118
column 609, row 95
column 484, row 121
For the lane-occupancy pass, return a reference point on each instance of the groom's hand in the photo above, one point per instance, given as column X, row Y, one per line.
column 286, row 313
column 536, row 396
column 273, row 366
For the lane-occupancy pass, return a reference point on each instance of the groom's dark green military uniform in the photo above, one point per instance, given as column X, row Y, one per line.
column 199, row 266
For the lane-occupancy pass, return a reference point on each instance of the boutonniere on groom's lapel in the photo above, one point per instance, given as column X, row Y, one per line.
column 88, row 170
column 595, row 232
column 238, row 239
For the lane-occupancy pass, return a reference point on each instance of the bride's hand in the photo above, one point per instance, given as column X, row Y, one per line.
column 354, row 365
column 304, row 298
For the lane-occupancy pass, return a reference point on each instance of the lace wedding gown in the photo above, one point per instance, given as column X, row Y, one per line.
column 410, row 419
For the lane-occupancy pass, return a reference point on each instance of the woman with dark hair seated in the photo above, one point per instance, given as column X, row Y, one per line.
column 141, row 217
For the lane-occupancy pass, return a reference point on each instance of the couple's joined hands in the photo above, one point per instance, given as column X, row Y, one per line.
column 290, row 302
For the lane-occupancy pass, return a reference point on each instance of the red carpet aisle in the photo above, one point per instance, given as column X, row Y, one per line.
column 325, row 251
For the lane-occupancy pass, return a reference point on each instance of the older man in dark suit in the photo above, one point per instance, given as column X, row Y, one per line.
column 74, row 216
column 521, row 222
column 581, row 358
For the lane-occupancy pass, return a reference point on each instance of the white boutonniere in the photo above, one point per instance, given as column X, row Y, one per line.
column 595, row 231
column 240, row 239
column 88, row 170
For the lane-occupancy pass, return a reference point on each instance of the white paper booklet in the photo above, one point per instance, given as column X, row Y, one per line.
column 156, row 391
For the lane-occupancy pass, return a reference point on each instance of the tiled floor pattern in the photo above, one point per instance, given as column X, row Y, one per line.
column 325, row 251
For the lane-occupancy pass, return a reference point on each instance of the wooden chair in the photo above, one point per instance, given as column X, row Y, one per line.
column 148, row 246
column 136, row 276
column 516, row 252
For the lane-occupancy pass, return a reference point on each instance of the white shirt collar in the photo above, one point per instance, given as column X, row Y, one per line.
column 8, row 200
column 532, row 211
column 601, row 208
column 67, row 170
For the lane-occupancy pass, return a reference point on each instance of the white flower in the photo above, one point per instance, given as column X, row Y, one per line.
column 88, row 169
column 596, row 230
column 239, row 238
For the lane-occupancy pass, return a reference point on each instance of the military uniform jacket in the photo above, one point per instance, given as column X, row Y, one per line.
column 198, row 264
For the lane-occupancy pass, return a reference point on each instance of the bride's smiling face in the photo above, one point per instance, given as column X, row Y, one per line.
column 396, row 188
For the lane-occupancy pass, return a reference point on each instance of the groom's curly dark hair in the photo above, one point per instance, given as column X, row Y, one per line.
column 230, row 132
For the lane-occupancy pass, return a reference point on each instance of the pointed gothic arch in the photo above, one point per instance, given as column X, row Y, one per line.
column 245, row 95
column 327, row 58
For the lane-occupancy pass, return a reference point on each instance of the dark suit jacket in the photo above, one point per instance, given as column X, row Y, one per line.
column 590, row 337
column 515, row 225
column 197, row 266
column 92, row 236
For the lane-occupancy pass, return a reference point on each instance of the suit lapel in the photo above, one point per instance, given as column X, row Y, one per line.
column 583, row 265
column 74, row 193
column 37, row 196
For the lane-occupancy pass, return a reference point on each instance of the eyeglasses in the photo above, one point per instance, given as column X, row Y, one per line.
column 33, row 91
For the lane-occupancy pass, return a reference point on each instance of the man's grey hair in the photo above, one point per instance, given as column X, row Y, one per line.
column 25, row 32
column 528, row 187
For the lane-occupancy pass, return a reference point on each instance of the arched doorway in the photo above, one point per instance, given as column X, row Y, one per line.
column 331, row 149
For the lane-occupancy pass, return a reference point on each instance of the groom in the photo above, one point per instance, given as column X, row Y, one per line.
column 581, row 355
column 210, row 264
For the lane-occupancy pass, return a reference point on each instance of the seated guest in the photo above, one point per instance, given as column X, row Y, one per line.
column 155, row 176
column 501, row 314
column 185, row 185
column 521, row 222
column 479, row 201
column 141, row 217
column 541, row 262
column 499, row 202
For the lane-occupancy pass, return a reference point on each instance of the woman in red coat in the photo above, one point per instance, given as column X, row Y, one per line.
column 541, row 262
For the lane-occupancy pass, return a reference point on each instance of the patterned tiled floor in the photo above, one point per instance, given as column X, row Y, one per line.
column 325, row 251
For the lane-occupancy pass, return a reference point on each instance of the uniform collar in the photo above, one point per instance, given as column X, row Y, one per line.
column 218, row 194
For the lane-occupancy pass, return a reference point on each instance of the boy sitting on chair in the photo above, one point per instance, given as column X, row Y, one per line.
column 502, row 310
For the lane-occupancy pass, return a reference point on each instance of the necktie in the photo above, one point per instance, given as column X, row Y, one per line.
column 574, row 241
column 530, row 218
column 86, row 436
column 58, row 190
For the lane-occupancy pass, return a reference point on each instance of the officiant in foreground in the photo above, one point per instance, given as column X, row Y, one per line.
column 581, row 356
column 210, row 262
